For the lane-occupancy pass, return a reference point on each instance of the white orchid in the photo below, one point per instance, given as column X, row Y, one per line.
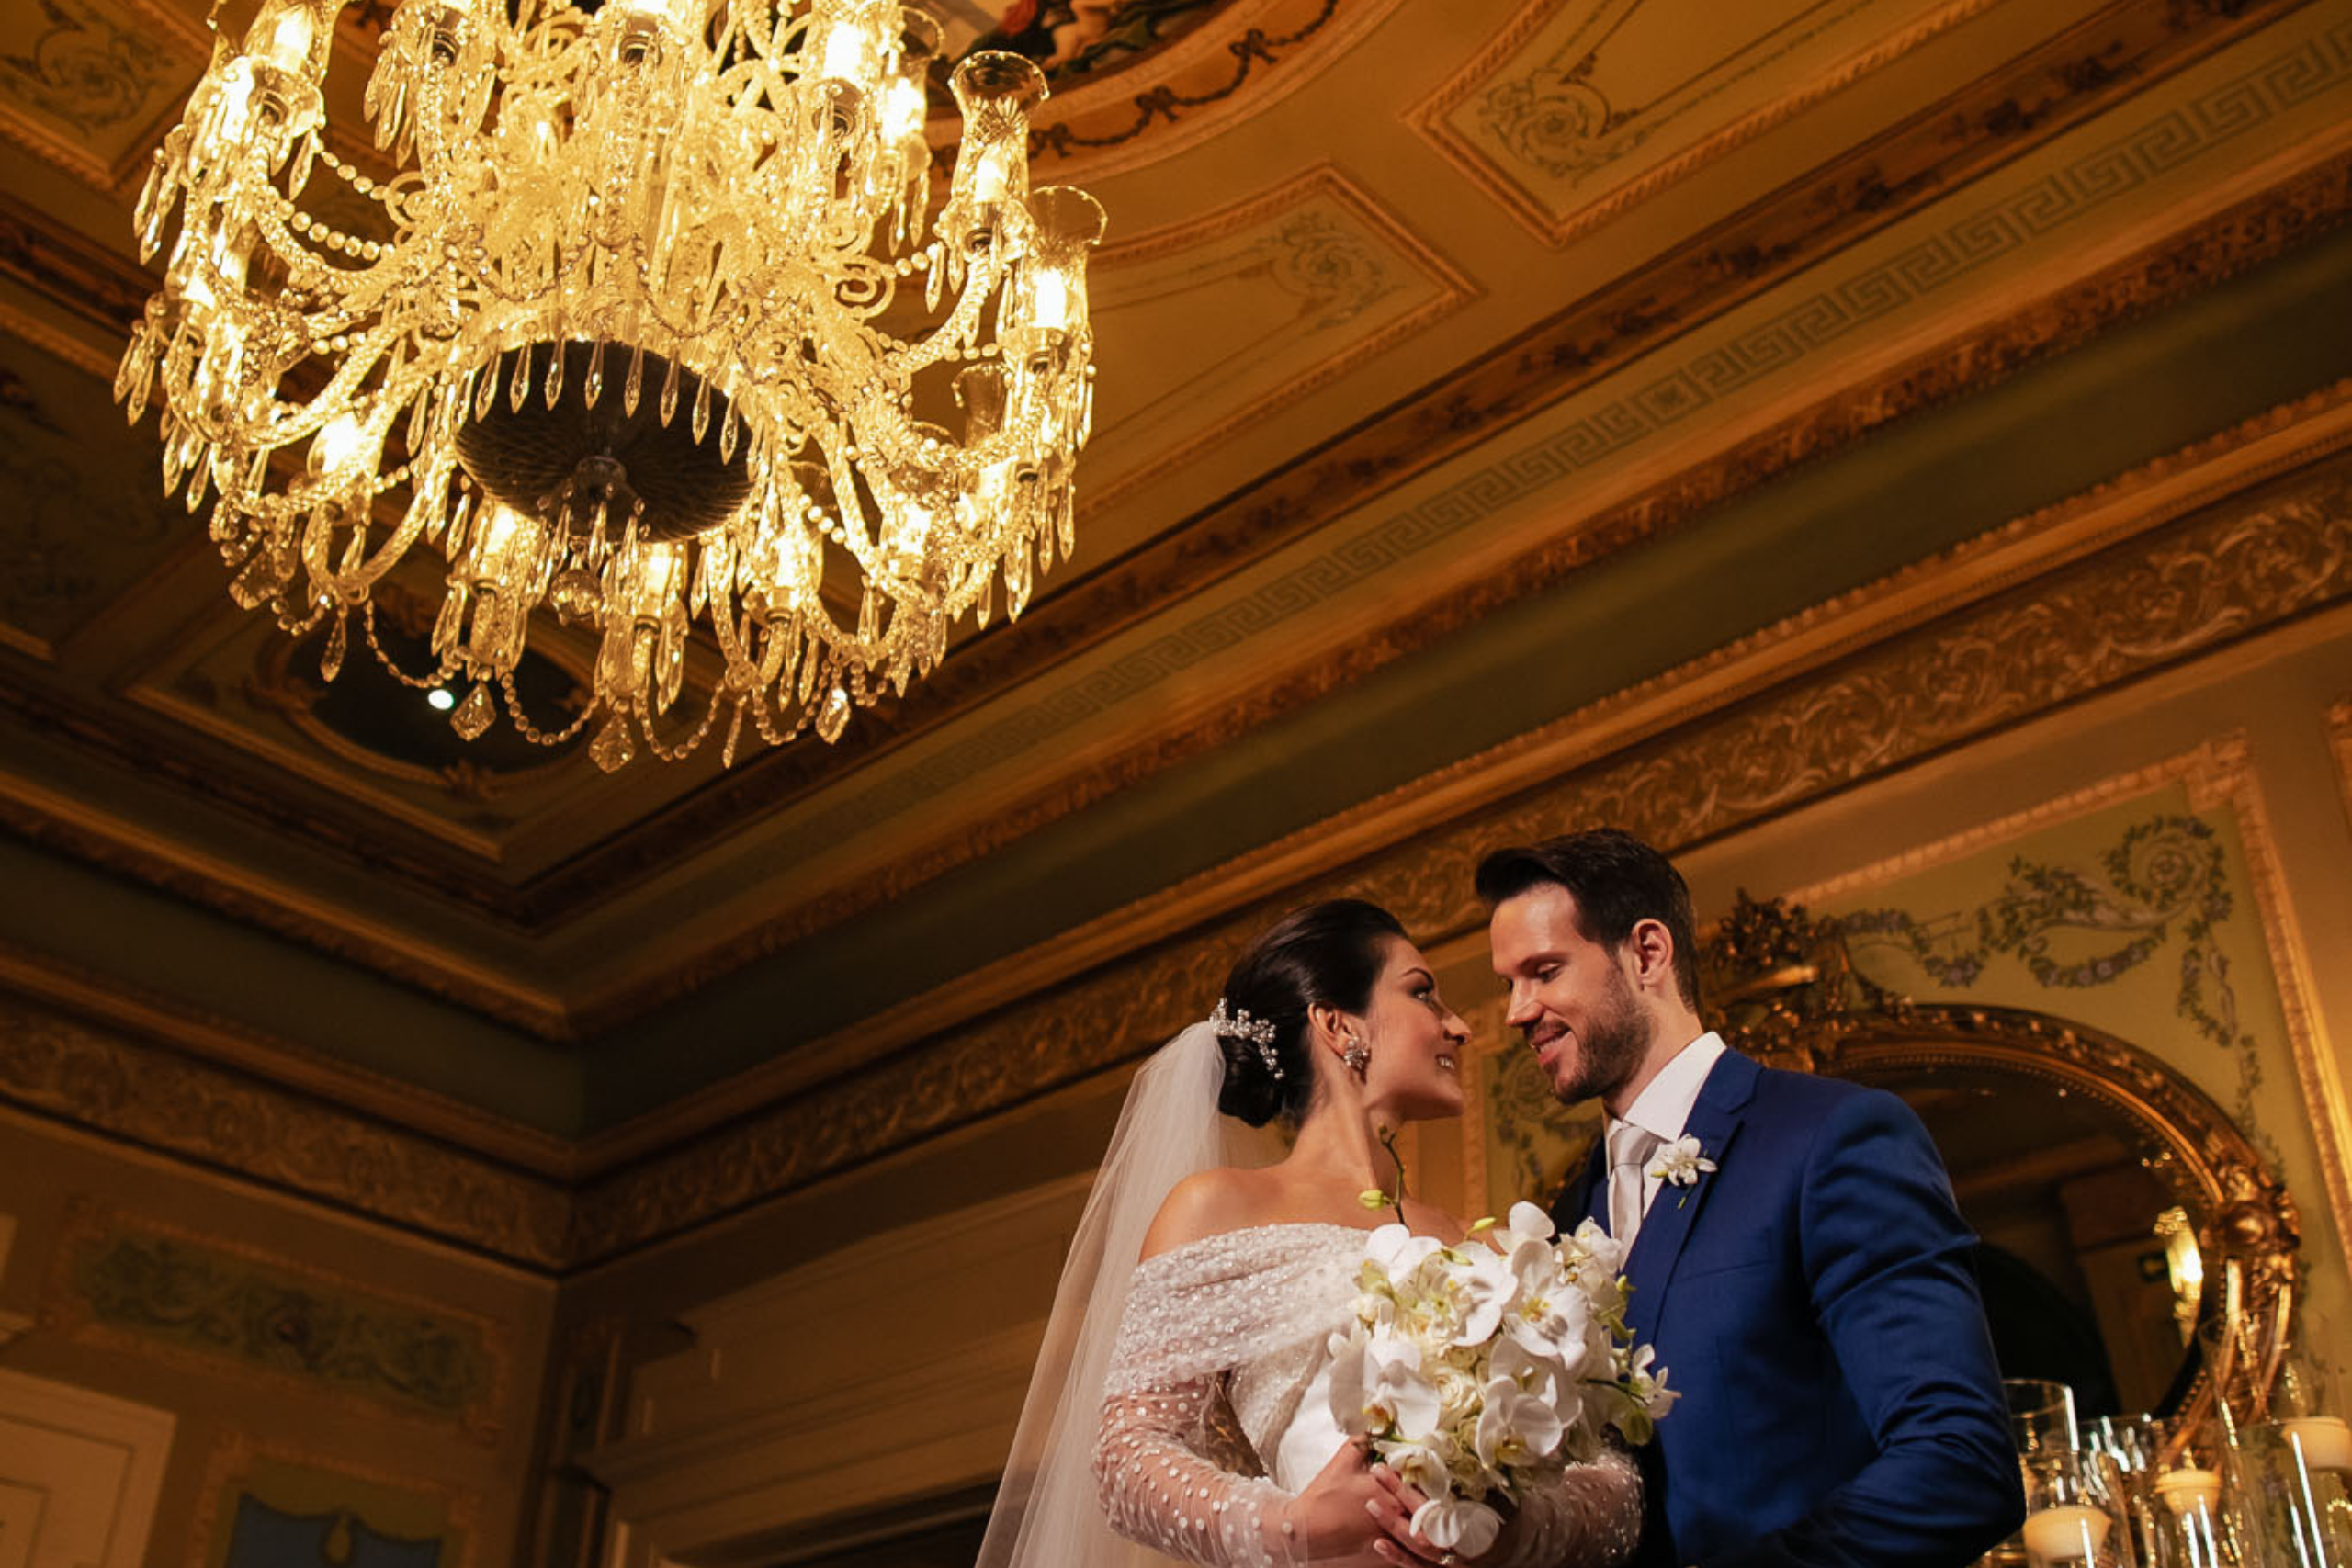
column 1419, row 1466
column 1681, row 1163
column 1377, row 1388
column 1400, row 1253
column 1486, row 1286
column 1551, row 1315
column 1516, row 1427
column 1473, row 1370
column 1467, row 1529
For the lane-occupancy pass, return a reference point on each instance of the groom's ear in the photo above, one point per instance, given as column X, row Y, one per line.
column 1649, row 949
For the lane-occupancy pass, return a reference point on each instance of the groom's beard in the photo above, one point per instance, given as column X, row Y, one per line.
column 1607, row 1049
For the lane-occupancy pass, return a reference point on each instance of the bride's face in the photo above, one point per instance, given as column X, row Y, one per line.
column 1418, row 1045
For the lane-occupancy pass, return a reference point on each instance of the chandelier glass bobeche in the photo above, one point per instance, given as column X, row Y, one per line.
column 642, row 346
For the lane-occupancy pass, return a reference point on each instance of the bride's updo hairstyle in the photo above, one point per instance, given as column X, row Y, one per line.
column 1329, row 952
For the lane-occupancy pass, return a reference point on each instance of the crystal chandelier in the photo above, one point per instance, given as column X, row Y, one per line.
column 640, row 343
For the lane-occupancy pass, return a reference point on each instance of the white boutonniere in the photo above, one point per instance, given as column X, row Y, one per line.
column 1681, row 1164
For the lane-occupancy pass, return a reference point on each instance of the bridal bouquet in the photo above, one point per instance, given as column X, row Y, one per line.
column 1473, row 1372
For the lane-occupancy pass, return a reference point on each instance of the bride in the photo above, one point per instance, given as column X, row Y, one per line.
column 1182, row 1396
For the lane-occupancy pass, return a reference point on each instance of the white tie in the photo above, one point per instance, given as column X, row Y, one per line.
column 1629, row 1148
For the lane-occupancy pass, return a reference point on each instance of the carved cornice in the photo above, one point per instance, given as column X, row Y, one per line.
column 1692, row 284
column 2226, row 244
column 99, row 286
column 2135, row 608
column 2156, row 599
column 60, row 1068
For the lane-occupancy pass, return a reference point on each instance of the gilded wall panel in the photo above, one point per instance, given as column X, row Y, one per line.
column 133, row 1284
column 1249, row 310
column 2339, row 734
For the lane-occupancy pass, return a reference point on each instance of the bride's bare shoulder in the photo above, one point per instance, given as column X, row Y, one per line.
column 1206, row 1203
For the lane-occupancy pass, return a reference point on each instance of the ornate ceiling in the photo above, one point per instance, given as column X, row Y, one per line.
column 1461, row 365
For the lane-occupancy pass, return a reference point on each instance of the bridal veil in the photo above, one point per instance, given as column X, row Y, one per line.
column 1046, row 1514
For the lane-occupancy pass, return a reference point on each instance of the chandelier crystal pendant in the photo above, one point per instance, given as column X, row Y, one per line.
column 643, row 346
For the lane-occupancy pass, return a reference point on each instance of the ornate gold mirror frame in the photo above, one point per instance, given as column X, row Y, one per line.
column 1786, row 991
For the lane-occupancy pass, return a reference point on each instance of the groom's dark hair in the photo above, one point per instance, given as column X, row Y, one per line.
column 1617, row 882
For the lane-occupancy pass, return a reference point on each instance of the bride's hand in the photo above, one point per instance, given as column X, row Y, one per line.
column 1352, row 1515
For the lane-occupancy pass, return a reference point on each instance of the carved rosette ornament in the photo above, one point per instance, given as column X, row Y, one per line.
column 1784, row 990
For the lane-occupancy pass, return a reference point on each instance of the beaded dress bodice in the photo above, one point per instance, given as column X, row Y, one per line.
column 1239, row 1322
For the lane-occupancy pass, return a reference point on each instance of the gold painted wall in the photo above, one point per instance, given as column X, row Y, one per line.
column 320, row 1366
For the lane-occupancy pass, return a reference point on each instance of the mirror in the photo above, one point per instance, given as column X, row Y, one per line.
column 2112, row 1195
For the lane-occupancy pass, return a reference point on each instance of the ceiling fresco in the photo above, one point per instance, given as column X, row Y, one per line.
column 1409, row 317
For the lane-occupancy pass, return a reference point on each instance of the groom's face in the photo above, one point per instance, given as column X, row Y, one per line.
column 1569, row 995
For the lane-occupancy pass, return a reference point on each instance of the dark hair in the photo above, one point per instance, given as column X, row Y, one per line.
column 1617, row 882
column 1328, row 953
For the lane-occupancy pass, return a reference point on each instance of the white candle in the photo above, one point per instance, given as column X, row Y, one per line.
column 2186, row 1491
column 2072, row 1533
column 2325, row 1440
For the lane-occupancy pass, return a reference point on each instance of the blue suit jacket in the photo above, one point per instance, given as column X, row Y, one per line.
column 1813, row 1300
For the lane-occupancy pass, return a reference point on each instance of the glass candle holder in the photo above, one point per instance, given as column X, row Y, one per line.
column 2042, row 1416
column 2295, row 1508
column 2073, row 1517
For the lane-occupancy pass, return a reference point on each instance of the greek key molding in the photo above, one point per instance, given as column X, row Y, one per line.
column 61, row 1068
column 2154, row 601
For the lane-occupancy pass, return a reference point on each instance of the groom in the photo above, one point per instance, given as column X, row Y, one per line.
column 1811, row 1293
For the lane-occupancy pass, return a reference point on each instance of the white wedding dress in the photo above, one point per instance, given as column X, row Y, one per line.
column 1217, row 1409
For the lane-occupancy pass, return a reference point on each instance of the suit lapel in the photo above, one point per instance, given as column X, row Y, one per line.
column 1715, row 1121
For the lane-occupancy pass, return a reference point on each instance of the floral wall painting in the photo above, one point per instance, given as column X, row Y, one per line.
column 2140, row 918
column 268, row 1509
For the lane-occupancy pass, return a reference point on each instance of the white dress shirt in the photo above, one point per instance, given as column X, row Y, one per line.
column 1664, row 1106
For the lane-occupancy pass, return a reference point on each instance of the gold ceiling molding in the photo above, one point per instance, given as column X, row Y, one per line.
column 2217, row 775
column 72, row 826
column 2151, row 600
column 1737, row 757
column 54, row 104
column 61, row 1068
column 64, row 347
column 1783, row 233
column 1325, row 182
column 1432, row 119
column 1699, row 279
column 95, row 285
column 111, row 1005
column 2218, row 248
column 1234, row 66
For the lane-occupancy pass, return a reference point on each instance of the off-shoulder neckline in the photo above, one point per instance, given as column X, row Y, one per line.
column 1199, row 1241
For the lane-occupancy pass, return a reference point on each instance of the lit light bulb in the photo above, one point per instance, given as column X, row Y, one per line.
column 440, row 699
